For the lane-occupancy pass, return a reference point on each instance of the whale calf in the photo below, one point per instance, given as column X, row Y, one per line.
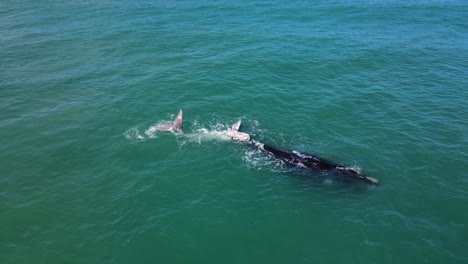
column 235, row 134
column 177, row 125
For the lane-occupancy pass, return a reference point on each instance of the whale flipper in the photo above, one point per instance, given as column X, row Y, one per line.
column 236, row 135
column 236, row 126
column 175, row 126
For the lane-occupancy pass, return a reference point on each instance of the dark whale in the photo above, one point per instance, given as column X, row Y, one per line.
column 314, row 163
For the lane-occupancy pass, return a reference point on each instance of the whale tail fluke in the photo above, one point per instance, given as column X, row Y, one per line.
column 175, row 126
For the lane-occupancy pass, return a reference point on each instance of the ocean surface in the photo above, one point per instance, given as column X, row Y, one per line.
column 377, row 85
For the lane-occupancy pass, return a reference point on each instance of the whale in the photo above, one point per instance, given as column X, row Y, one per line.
column 234, row 133
column 176, row 125
column 315, row 163
column 295, row 158
column 302, row 159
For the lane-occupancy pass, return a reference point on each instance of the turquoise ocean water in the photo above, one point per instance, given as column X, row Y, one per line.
column 376, row 85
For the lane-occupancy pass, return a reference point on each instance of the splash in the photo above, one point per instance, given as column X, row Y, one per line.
column 133, row 134
column 257, row 159
column 151, row 132
column 216, row 132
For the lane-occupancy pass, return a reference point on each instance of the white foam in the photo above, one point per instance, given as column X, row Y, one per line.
column 133, row 134
column 151, row 132
column 259, row 160
column 204, row 134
